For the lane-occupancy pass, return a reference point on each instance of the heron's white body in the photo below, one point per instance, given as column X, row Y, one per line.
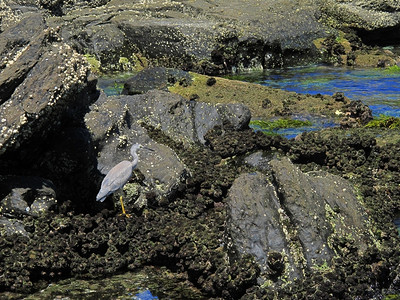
column 118, row 175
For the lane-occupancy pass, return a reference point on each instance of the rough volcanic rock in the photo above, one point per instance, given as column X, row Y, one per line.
column 294, row 217
column 154, row 78
column 27, row 196
column 357, row 113
column 45, row 91
column 48, row 91
column 377, row 22
column 117, row 122
column 180, row 119
column 207, row 37
column 20, row 48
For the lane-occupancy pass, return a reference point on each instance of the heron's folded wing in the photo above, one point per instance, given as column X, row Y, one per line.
column 115, row 179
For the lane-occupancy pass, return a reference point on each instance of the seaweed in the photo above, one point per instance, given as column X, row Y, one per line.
column 384, row 121
column 270, row 127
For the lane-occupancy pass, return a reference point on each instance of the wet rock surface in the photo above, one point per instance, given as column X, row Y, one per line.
column 312, row 209
column 27, row 196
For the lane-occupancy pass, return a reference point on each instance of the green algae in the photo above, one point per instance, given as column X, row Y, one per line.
column 270, row 127
column 160, row 281
column 94, row 63
column 392, row 297
column 263, row 101
column 392, row 69
column 384, row 121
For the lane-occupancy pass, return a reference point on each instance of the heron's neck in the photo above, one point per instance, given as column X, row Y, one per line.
column 135, row 160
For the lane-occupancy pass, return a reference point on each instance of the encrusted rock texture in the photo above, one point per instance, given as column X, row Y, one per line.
column 235, row 213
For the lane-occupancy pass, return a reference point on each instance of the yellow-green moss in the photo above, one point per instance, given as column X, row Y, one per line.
column 384, row 121
column 393, row 69
column 264, row 102
column 279, row 124
column 94, row 63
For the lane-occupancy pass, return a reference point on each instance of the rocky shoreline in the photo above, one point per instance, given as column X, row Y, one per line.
column 228, row 212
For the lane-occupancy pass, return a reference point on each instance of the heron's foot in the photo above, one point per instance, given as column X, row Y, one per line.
column 123, row 209
column 125, row 215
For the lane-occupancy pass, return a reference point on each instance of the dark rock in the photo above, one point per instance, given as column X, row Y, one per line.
column 45, row 90
column 26, row 196
column 182, row 120
column 69, row 160
column 357, row 114
column 297, row 217
column 258, row 160
column 193, row 35
column 51, row 89
column 154, row 78
column 377, row 22
column 211, row 81
column 255, row 221
column 266, row 103
column 194, row 97
column 339, row 96
column 20, row 48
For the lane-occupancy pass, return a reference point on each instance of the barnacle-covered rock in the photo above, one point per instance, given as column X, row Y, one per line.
column 44, row 93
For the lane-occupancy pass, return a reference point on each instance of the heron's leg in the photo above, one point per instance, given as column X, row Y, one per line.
column 123, row 208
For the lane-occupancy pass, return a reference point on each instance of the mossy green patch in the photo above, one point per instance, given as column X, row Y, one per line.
column 392, row 69
column 323, row 268
column 384, row 121
column 270, row 127
column 264, row 102
column 392, row 297
column 94, row 63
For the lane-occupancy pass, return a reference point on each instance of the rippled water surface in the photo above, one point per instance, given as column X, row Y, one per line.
column 378, row 88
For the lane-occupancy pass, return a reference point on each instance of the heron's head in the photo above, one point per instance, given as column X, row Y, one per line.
column 134, row 148
column 137, row 146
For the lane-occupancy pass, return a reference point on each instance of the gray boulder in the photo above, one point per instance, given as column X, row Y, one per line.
column 376, row 21
column 114, row 128
column 289, row 220
column 180, row 119
column 256, row 225
column 118, row 121
column 154, row 78
column 10, row 227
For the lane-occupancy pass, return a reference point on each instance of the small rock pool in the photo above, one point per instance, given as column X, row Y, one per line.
column 378, row 88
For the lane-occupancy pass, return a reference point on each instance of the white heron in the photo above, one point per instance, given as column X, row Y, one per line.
column 118, row 176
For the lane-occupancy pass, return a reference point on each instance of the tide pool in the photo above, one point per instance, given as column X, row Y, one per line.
column 378, row 88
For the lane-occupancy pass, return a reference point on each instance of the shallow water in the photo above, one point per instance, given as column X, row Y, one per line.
column 378, row 88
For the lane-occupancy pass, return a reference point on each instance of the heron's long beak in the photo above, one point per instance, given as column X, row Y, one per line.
column 147, row 148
